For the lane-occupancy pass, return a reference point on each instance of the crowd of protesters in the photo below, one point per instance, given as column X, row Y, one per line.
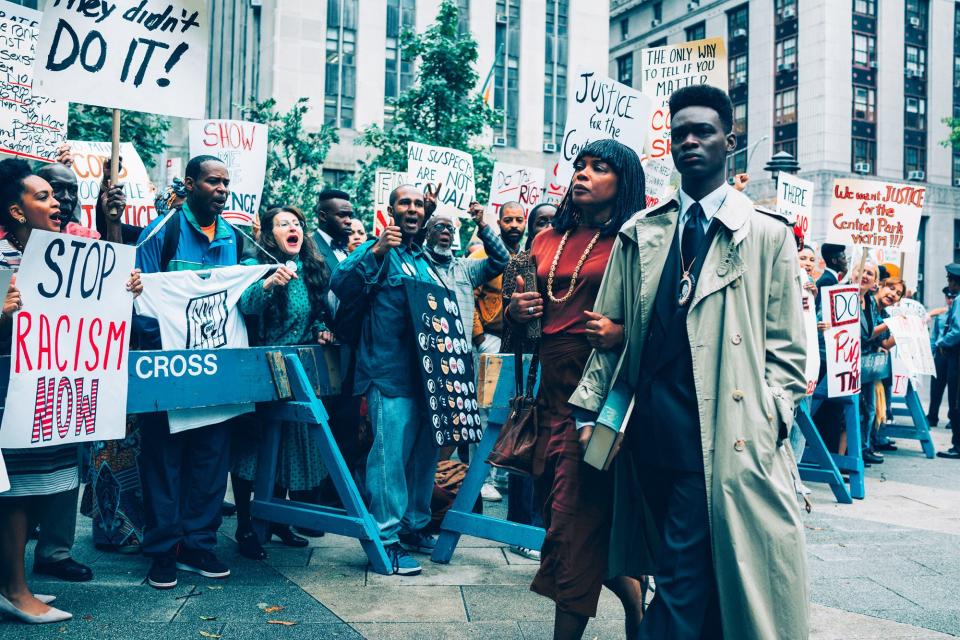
column 702, row 496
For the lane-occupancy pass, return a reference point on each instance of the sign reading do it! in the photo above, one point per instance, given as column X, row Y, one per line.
column 68, row 363
column 142, row 55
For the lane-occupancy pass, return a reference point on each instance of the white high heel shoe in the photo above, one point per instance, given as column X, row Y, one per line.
column 53, row 615
column 44, row 598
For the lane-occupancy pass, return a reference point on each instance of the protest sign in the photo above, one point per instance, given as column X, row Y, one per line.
column 142, row 55
column 875, row 214
column 671, row 67
column 513, row 183
column 812, row 368
column 4, row 479
column 913, row 343
column 795, row 201
column 451, row 169
column 600, row 108
column 842, row 339
column 174, row 169
column 243, row 148
column 658, row 177
column 68, row 366
column 900, row 375
column 384, row 182
column 554, row 190
column 31, row 126
column 89, row 159
column 445, row 361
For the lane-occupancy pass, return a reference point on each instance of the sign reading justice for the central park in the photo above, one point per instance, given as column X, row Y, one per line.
column 68, row 362
column 142, row 55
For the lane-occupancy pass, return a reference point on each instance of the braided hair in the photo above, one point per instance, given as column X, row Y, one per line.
column 631, row 187
column 13, row 172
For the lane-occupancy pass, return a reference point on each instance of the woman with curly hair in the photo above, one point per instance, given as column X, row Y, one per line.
column 287, row 308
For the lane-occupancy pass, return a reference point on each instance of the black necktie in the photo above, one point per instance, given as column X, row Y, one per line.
column 692, row 235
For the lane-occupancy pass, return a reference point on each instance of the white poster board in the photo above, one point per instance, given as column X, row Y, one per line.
column 875, row 214
column 513, row 183
column 842, row 339
column 449, row 168
column 812, row 368
column 243, row 148
column 31, row 126
column 913, row 343
column 795, row 201
column 89, row 159
column 68, row 365
column 141, row 55
column 663, row 70
column 384, row 182
column 600, row 108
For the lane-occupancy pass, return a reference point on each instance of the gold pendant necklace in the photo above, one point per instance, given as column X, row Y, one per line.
column 576, row 270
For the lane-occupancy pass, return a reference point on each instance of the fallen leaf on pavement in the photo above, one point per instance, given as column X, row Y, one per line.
column 207, row 634
column 266, row 608
column 208, row 618
column 285, row 623
column 213, row 587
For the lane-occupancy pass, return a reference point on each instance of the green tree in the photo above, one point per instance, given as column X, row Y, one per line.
column 147, row 131
column 295, row 156
column 443, row 107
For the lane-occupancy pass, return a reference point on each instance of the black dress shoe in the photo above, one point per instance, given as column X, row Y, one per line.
column 951, row 454
column 872, row 458
column 310, row 533
column 886, row 446
column 227, row 509
column 67, row 569
column 288, row 537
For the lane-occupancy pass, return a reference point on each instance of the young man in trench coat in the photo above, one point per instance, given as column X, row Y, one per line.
column 706, row 288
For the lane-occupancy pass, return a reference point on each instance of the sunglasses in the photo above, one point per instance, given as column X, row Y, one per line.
column 443, row 226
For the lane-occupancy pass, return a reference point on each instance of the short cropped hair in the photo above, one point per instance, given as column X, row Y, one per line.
column 332, row 194
column 704, row 95
column 195, row 166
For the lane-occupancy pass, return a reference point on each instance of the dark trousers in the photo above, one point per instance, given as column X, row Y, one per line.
column 184, row 479
column 953, row 394
column 343, row 417
column 937, row 386
column 522, row 506
column 686, row 604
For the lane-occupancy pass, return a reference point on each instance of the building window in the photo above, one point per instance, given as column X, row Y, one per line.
column 864, row 104
column 956, row 240
column 463, row 22
column 625, row 69
column 916, row 62
column 506, row 74
column 790, row 146
column 785, row 9
column 740, row 118
column 864, row 155
column 738, row 22
column 738, row 71
column 785, row 107
column 865, row 7
column 555, row 74
column 398, row 74
column 956, row 169
column 625, row 28
column 914, row 159
column 786, row 54
column 662, row 42
column 340, row 89
column 697, row 31
column 337, row 178
column 737, row 162
column 917, row 14
column 915, row 113
column 658, row 11
column 864, row 50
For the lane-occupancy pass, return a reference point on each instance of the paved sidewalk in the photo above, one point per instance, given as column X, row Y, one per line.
column 886, row 567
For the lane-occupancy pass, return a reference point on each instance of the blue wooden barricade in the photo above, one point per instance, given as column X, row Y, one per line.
column 851, row 462
column 460, row 519
column 818, row 464
column 910, row 406
column 286, row 383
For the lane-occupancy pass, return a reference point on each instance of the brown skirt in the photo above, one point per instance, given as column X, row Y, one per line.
column 578, row 498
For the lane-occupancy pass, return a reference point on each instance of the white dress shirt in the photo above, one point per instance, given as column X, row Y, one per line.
column 711, row 204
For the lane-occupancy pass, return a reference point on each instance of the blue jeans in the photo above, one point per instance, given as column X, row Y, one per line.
column 400, row 466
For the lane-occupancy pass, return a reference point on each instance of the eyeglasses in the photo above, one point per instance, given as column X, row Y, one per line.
column 284, row 224
column 443, row 226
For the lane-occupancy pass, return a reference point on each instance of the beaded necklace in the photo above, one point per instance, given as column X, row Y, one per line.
column 576, row 270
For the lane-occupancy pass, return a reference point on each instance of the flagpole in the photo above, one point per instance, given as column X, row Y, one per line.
column 483, row 90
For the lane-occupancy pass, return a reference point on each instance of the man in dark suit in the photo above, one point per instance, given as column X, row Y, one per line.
column 835, row 259
column 334, row 213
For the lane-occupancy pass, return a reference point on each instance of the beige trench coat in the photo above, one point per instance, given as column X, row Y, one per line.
column 748, row 347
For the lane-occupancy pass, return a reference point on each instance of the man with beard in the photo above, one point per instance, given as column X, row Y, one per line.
column 403, row 458
column 184, row 475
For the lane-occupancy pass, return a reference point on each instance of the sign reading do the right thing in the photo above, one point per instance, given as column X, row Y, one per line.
column 142, row 55
column 842, row 339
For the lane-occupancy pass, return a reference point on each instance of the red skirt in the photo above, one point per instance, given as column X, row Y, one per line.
column 578, row 498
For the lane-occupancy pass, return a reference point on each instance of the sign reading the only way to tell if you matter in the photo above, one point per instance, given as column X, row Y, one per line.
column 142, row 55
column 68, row 363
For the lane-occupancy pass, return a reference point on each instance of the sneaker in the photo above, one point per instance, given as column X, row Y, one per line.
column 489, row 493
column 203, row 562
column 950, row 453
column 525, row 552
column 403, row 563
column 163, row 572
column 418, row 542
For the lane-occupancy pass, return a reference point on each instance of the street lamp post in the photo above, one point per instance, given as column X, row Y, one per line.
column 781, row 161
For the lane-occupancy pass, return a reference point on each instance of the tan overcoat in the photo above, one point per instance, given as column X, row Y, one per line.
column 748, row 347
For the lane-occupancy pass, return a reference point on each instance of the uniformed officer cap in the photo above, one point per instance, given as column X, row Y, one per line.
column 947, row 292
column 953, row 269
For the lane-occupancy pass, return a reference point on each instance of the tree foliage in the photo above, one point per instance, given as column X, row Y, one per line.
column 295, row 156
column 442, row 107
column 147, row 131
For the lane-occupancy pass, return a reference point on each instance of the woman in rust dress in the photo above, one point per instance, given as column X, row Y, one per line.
column 606, row 189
